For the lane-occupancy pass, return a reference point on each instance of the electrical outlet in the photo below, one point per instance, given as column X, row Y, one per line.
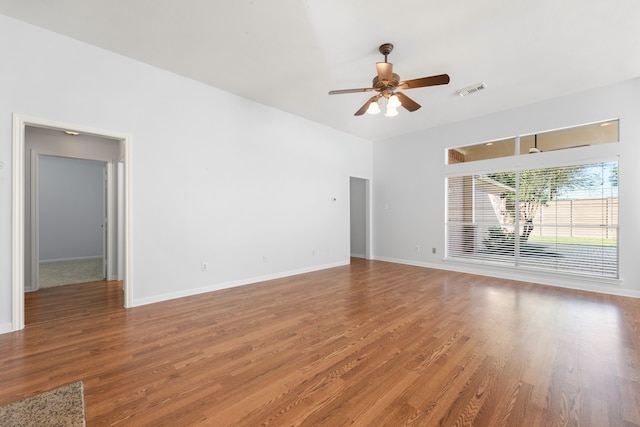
column 264, row 258
column 433, row 250
column 204, row 266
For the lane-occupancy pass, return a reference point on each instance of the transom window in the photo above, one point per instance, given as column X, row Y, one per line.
column 579, row 136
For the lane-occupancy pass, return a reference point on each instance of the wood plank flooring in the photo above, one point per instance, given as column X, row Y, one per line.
column 369, row 344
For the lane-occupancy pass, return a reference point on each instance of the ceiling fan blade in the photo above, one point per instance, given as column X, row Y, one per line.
column 407, row 102
column 363, row 109
column 341, row 91
column 441, row 79
column 385, row 71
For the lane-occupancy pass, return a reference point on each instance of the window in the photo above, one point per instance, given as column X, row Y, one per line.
column 579, row 136
column 486, row 150
column 562, row 219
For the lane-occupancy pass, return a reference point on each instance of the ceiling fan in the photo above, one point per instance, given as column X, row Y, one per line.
column 386, row 83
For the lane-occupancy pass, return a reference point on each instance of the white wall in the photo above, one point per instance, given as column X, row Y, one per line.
column 216, row 178
column 71, row 207
column 409, row 194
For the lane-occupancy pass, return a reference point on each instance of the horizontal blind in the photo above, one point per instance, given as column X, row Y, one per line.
column 475, row 220
column 561, row 219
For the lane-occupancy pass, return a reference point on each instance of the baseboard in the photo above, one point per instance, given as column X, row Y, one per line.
column 586, row 284
column 231, row 284
column 358, row 256
column 82, row 258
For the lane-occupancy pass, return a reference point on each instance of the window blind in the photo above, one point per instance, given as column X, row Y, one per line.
column 561, row 219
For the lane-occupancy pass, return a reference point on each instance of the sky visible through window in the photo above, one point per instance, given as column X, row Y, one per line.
column 603, row 183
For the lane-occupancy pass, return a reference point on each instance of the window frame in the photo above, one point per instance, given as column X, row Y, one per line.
column 549, row 138
column 569, row 157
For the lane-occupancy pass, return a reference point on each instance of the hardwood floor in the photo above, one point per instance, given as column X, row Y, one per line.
column 370, row 344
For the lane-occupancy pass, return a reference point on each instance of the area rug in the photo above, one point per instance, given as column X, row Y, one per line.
column 63, row 407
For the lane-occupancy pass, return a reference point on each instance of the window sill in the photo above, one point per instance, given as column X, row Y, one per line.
column 536, row 275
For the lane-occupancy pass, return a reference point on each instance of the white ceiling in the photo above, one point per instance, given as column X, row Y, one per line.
column 289, row 53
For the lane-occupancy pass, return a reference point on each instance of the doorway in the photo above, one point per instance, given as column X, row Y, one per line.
column 110, row 147
column 71, row 208
column 360, row 239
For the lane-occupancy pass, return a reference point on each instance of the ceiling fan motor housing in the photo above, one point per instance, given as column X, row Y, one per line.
column 386, row 89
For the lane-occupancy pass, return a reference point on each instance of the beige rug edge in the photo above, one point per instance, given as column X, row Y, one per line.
column 62, row 406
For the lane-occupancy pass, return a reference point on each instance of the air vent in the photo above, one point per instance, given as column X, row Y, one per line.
column 471, row 89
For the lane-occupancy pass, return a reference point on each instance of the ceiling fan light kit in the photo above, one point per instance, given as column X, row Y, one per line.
column 386, row 83
column 391, row 112
column 374, row 107
column 535, row 148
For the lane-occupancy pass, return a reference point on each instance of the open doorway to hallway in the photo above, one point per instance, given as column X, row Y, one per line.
column 359, row 218
column 71, row 208
column 37, row 139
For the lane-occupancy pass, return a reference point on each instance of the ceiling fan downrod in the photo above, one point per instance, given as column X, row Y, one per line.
column 385, row 49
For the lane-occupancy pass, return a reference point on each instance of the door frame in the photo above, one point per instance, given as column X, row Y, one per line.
column 108, row 233
column 20, row 122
